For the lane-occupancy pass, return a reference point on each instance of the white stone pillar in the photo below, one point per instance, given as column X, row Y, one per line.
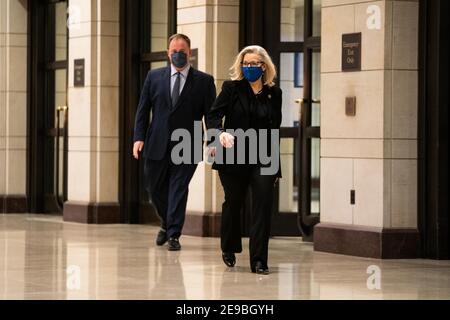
column 374, row 152
column 213, row 27
column 13, row 105
column 93, row 173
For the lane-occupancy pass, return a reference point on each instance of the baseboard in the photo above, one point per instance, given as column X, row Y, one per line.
column 379, row 243
column 92, row 213
column 202, row 224
column 13, row 204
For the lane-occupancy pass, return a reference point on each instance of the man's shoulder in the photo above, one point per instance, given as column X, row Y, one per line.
column 202, row 75
column 157, row 72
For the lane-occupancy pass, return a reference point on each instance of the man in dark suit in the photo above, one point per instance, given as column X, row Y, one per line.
column 178, row 96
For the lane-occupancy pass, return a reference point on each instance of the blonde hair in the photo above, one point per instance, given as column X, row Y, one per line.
column 269, row 74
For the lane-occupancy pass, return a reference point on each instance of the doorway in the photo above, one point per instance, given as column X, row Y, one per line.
column 434, row 216
column 47, row 106
column 290, row 31
column 145, row 28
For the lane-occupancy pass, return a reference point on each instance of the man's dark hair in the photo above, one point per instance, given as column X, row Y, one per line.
column 179, row 36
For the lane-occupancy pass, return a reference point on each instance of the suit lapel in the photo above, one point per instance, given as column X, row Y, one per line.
column 187, row 87
column 166, row 87
column 243, row 95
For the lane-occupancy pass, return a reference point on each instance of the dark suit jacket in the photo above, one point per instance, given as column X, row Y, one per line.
column 195, row 101
column 233, row 103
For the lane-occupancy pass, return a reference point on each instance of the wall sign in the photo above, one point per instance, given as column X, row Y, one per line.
column 78, row 73
column 351, row 52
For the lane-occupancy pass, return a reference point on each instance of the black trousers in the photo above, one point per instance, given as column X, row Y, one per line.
column 168, row 186
column 235, row 187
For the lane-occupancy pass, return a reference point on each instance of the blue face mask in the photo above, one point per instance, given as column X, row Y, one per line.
column 179, row 59
column 252, row 74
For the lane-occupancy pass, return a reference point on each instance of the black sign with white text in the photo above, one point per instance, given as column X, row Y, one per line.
column 351, row 52
column 78, row 69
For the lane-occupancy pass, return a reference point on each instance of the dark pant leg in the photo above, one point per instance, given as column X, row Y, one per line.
column 179, row 178
column 262, row 199
column 235, row 189
column 157, row 185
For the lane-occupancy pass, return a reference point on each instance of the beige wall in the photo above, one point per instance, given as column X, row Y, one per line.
column 213, row 26
column 93, row 110
column 13, row 96
column 374, row 152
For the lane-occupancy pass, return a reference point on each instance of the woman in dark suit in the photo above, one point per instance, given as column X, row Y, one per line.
column 249, row 101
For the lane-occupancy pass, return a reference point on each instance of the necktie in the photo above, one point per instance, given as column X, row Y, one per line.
column 176, row 90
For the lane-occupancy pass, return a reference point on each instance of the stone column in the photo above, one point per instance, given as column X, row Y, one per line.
column 93, row 172
column 375, row 152
column 13, row 105
column 213, row 26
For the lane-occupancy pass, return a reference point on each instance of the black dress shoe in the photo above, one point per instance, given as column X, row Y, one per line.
column 174, row 244
column 161, row 238
column 229, row 259
column 259, row 268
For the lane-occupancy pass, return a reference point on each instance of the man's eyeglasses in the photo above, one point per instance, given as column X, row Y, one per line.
column 252, row 64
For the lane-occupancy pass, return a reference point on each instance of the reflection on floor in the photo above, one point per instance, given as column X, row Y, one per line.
column 41, row 257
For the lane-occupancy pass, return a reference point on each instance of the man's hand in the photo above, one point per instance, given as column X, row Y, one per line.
column 138, row 146
column 226, row 140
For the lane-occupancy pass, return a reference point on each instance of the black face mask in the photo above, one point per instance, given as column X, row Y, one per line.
column 179, row 59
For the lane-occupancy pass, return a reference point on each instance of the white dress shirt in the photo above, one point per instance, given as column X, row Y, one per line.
column 184, row 74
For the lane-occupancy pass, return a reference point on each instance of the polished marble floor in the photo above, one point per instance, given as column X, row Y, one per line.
column 42, row 257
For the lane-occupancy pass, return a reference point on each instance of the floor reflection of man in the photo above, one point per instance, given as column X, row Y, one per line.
column 168, row 276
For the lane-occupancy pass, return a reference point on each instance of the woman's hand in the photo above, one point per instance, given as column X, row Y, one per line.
column 226, row 140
